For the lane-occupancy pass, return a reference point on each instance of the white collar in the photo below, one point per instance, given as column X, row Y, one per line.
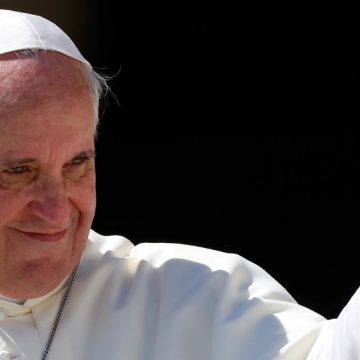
column 10, row 308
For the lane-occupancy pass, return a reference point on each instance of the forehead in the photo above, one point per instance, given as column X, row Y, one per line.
column 39, row 76
column 45, row 105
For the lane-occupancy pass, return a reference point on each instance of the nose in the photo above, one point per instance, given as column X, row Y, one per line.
column 50, row 201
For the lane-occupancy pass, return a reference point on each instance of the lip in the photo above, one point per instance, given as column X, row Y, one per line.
column 45, row 237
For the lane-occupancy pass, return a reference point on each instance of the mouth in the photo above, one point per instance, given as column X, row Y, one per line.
column 46, row 237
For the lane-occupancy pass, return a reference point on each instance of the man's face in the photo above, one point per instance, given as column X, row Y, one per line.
column 47, row 173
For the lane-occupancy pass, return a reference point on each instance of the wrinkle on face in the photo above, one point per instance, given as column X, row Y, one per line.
column 42, row 82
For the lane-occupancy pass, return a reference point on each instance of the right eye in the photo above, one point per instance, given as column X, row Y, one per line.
column 16, row 170
column 16, row 176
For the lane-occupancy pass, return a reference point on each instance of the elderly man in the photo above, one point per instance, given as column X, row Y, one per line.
column 69, row 293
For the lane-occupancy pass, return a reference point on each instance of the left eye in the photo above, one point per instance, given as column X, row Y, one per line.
column 77, row 161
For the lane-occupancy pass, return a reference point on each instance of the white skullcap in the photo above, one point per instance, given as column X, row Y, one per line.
column 20, row 31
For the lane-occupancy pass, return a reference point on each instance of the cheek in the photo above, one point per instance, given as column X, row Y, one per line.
column 84, row 197
column 11, row 205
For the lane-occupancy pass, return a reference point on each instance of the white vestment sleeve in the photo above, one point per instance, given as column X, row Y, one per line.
column 258, row 320
column 340, row 338
column 230, row 306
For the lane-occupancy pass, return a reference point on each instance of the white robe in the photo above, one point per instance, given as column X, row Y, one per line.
column 175, row 302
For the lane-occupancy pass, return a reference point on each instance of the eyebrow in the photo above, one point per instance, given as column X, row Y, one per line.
column 17, row 162
column 85, row 154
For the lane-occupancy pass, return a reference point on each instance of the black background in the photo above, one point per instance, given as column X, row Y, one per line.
column 231, row 129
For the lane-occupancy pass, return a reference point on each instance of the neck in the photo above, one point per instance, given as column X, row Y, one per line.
column 15, row 301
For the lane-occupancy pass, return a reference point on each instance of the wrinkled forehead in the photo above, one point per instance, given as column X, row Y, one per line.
column 48, row 74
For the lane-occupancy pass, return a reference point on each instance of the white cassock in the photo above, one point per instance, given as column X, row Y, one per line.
column 176, row 302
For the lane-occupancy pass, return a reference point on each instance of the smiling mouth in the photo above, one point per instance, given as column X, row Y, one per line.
column 46, row 237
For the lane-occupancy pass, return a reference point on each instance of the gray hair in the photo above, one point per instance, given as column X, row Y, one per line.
column 96, row 81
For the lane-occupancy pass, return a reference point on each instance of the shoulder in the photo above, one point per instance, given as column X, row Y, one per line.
column 181, row 261
column 116, row 244
column 159, row 254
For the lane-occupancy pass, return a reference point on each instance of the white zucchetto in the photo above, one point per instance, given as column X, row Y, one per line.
column 20, row 31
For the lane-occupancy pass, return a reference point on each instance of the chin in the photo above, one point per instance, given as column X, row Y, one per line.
column 44, row 267
column 41, row 276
